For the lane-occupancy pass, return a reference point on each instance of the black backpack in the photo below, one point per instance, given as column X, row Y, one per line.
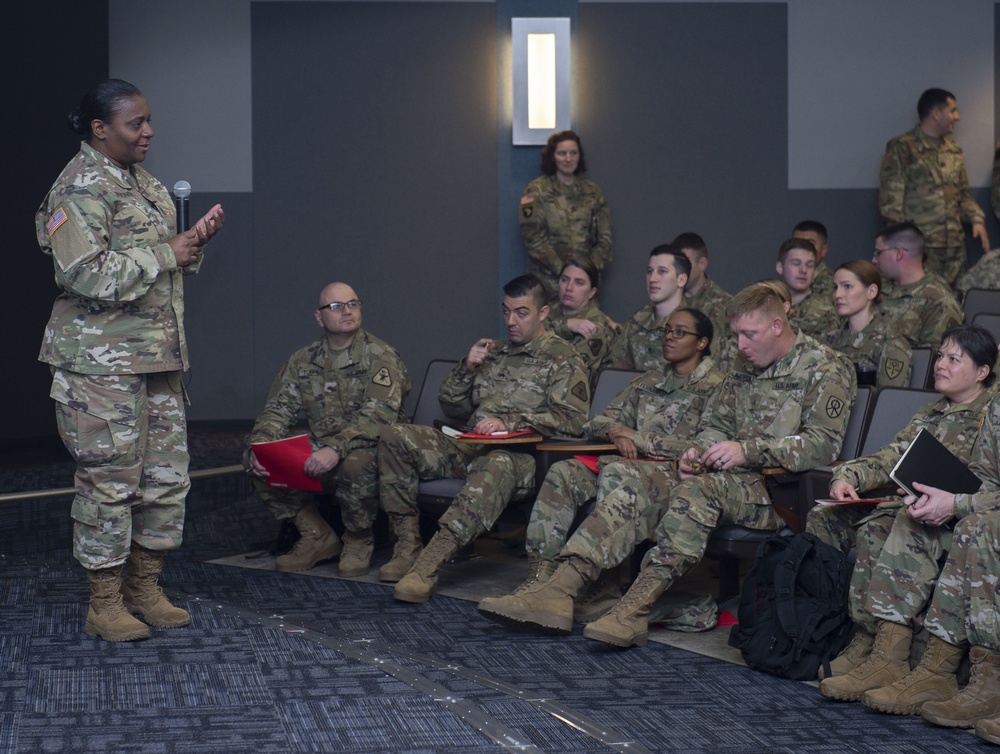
column 793, row 610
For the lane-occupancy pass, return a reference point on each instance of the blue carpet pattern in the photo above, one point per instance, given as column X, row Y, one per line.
column 291, row 663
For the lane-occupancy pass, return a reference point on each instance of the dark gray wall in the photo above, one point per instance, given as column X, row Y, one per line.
column 40, row 87
column 374, row 163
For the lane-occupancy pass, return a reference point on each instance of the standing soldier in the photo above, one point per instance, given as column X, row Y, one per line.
column 532, row 381
column 351, row 386
column 563, row 215
column 923, row 181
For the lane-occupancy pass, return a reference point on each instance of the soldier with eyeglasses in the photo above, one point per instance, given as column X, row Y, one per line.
column 350, row 386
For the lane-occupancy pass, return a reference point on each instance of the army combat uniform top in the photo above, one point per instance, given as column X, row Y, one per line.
column 561, row 222
column 879, row 346
column 921, row 311
column 923, row 180
column 822, row 284
column 347, row 399
column 115, row 341
column 592, row 350
column 639, row 345
column 711, row 301
column 814, row 315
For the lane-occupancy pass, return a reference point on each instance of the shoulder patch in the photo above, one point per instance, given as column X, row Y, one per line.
column 580, row 391
column 382, row 377
column 57, row 219
column 893, row 367
column 834, row 407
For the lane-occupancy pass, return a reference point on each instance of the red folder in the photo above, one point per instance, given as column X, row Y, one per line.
column 285, row 461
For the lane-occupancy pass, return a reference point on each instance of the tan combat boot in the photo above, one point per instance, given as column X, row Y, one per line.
column 405, row 551
column 933, row 680
column 977, row 701
column 107, row 616
column 317, row 541
column 599, row 597
column 855, row 653
column 888, row 662
column 627, row 625
column 988, row 729
column 421, row 581
column 538, row 571
column 141, row 592
column 547, row 604
column 356, row 559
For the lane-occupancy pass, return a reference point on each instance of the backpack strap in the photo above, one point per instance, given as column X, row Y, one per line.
column 798, row 547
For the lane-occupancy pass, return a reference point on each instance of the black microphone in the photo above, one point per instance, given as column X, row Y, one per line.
column 182, row 192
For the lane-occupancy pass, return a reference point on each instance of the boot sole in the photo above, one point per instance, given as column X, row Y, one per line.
column 841, row 696
column 391, row 578
column 638, row 640
column 987, row 737
column 291, row 569
column 946, row 722
column 415, row 599
column 892, row 709
column 150, row 620
column 359, row 571
column 138, row 635
column 546, row 623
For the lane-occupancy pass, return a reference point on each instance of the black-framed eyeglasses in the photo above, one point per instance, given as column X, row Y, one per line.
column 336, row 306
column 879, row 251
column 678, row 333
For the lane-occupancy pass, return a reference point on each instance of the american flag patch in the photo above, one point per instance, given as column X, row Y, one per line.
column 57, row 219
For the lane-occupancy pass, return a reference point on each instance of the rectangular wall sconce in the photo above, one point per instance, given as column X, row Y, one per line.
column 541, row 67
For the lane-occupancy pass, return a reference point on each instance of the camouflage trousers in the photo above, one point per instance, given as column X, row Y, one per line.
column 569, row 486
column 963, row 609
column 128, row 436
column 948, row 263
column 638, row 501
column 903, row 574
column 836, row 525
column 871, row 533
column 353, row 483
column 410, row 453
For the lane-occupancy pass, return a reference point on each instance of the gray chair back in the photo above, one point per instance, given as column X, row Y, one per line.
column 894, row 408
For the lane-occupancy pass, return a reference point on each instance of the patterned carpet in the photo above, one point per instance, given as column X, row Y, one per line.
column 282, row 663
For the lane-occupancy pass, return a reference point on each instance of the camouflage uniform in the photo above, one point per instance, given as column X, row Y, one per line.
column 923, row 180
column 822, row 284
column 540, row 385
column 814, row 315
column 591, row 350
column 560, row 222
column 792, row 414
column 347, row 397
column 879, row 346
column 639, row 345
column 895, row 571
column 115, row 341
column 664, row 408
column 963, row 609
column 983, row 274
column 955, row 426
column 922, row 311
column 711, row 300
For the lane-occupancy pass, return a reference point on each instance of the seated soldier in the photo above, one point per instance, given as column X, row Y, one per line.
column 881, row 356
column 654, row 416
column 812, row 312
column 351, row 386
column 895, row 572
column 815, row 232
column 919, row 304
column 638, row 345
column 576, row 316
column 707, row 296
column 532, row 381
column 784, row 404
column 963, row 614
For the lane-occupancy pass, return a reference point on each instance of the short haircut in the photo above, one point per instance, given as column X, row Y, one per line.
column 756, row 298
column 549, row 151
column 905, row 235
column 865, row 272
column 795, row 243
column 682, row 265
column 703, row 327
column 101, row 103
column 779, row 286
column 524, row 285
column 691, row 241
column 932, row 99
column 811, row 226
column 593, row 274
column 978, row 344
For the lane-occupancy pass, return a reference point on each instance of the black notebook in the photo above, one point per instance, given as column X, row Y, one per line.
column 929, row 462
